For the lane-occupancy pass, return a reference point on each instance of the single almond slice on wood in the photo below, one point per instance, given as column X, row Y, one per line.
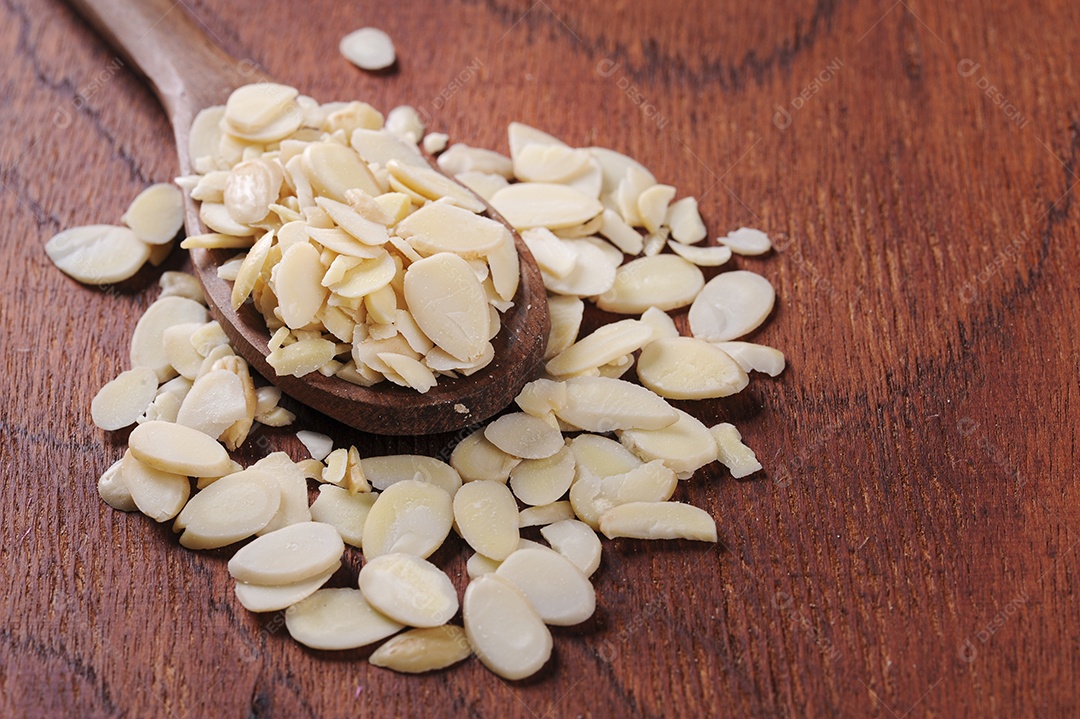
column 658, row 520
column 754, row 357
column 476, row 458
column 120, row 402
column 345, row 510
column 543, row 481
column 147, row 341
column 541, row 204
column 178, row 449
column 731, row 305
column 423, row 650
column 156, row 214
column 411, row 516
column 662, row 281
column 506, row 633
column 701, row 256
column 288, row 555
column 232, row 508
column 522, row 435
column 409, row 590
column 689, row 368
column 606, row 344
column 336, row 619
column 685, row 221
column 733, row 454
column 559, row 592
column 486, row 516
column 158, row 494
column 385, row 471
column 114, row 491
column 685, row 446
column 577, row 542
column 260, row 598
column 443, row 227
column 601, row 404
column 746, row 241
column 97, row 254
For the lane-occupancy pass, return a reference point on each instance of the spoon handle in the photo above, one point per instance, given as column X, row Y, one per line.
column 171, row 48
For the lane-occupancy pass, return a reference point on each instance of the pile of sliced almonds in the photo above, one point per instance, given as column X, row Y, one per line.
column 365, row 262
column 315, row 191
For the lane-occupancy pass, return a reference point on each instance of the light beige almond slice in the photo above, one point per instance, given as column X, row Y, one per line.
column 606, row 344
column 259, row 598
column 559, row 592
column 588, row 181
column 367, row 231
column 378, row 147
column 317, row 445
column 251, row 187
column 621, row 234
column 156, row 214
column 460, row 159
column 658, row 520
column 577, row 542
column 479, row 565
column 601, row 456
column 689, row 368
column 614, row 166
column 336, row 619
column 505, row 269
column 483, row 184
column 302, row 357
column 601, row 404
column 384, row 471
column 633, row 184
column 593, row 273
column 409, row 590
column 443, row 227
column 412, row 372
column 250, row 270
column 663, row 281
column 541, row 204
column 433, row 185
column 566, row 315
column 701, row 256
column 120, row 402
column 733, row 454
column 536, row 162
column 486, row 516
column 663, row 326
column 552, row 255
column 368, row 48
column 97, row 254
column 685, row 446
column 746, row 241
column 288, row 555
column 215, row 402
column 158, row 494
column 332, row 170
column 232, row 508
column 405, row 122
column 543, row 481
column 652, row 206
column 178, row 449
column 423, row 650
column 205, row 134
column 544, row 514
column 522, row 435
column 114, row 491
column 410, row 516
column 297, row 283
column 754, row 357
column 476, row 458
column 216, row 216
column 367, row 277
column 184, row 357
column 251, row 108
column 685, row 221
column 731, row 305
column 541, row 397
column 449, row 304
column 506, row 633
column 521, row 135
column 147, row 341
column 292, row 485
column 181, row 284
column 345, row 510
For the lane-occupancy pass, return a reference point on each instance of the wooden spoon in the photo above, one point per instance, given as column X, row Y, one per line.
column 188, row 73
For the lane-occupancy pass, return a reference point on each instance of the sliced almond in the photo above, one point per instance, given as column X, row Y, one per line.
column 476, row 458
column 522, row 435
column 746, row 241
column 158, row 494
column 114, row 491
column 506, row 633
column 544, row 514
column 288, row 555
column 336, row 619
column 120, row 402
column 733, row 454
column 232, row 508
column 178, row 449
column 259, row 598
column 97, row 254
column 658, row 520
column 543, row 481
column 443, row 227
column 423, row 650
column 449, row 304
column 663, row 281
column 685, row 446
column 541, row 204
column 566, row 315
column 600, row 404
column 754, row 357
column 156, row 214
column 689, row 368
column 486, row 516
column 577, row 542
column 685, row 221
column 731, row 305
column 409, row 590
column 411, row 517
column 604, row 345
column 559, row 592
column 701, row 256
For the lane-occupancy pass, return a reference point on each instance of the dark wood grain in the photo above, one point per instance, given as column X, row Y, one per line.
column 911, row 548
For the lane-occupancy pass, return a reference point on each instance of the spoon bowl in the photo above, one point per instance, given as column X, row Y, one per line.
column 189, row 73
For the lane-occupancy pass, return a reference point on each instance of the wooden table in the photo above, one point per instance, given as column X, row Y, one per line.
column 909, row 550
